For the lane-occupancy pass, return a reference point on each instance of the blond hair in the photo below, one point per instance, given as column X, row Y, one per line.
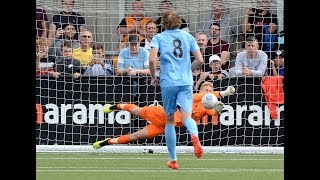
column 171, row 20
column 206, row 83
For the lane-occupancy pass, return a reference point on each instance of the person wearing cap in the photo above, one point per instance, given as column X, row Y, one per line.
column 277, row 64
column 133, row 60
column 216, row 74
column 251, row 62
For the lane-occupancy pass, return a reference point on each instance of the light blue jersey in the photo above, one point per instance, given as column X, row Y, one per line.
column 140, row 61
column 174, row 47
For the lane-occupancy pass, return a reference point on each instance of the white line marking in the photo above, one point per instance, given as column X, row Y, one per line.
column 153, row 170
column 158, row 159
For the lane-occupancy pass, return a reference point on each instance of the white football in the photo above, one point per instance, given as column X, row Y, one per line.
column 209, row 101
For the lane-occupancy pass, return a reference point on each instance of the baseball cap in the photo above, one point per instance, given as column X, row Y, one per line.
column 133, row 38
column 214, row 57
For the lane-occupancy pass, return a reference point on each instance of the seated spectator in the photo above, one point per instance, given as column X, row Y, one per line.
column 66, row 64
column 84, row 52
column 133, row 60
column 216, row 74
column 251, row 62
column 68, row 35
column 165, row 6
column 43, row 65
column 98, row 65
column 134, row 23
column 42, row 23
column 277, row 64
column 121, row 45
column 66, row 16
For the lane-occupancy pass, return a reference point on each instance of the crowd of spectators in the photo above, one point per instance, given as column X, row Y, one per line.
column 66, row 46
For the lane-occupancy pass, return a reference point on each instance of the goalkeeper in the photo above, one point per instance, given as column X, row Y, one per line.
column 157, row 117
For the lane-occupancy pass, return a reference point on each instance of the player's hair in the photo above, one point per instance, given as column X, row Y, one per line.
column 171, row 20
column 206, row 83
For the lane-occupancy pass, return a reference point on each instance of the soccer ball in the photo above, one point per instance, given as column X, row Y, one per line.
column 209, row 101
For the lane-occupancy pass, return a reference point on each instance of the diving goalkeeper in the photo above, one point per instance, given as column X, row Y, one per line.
column 157, row 117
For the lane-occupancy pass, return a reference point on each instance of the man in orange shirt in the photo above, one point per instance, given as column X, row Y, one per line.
column 156, row 116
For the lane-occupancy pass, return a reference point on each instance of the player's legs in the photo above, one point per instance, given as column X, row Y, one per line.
column 184, row 100
column 132, row 108
column 169, row 95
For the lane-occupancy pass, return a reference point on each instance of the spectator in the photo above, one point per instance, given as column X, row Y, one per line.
column 277, row 65
column 65, row 64
column 134, row 23
column 121, row 45
column 217, row 46
column 66, row 16
column 84, row 52
column 43, row 65
column 68, row 35
column 42, row 23
column 151, row 30
column 133, row 60
column 229, row 25
column 202, row 41
column 98, row 64
column 257, row 18
column 251, row 62
column 164, row 7
column 216, row 72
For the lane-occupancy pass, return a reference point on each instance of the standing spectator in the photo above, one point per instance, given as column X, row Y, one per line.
column 133, row 60
column 42, row 23
column 164, row 7
column 277, row 64
column 176, row 79
column 217, row 46
column 229, row 25
column 202, row 41
column 84, row 52
column 251, row 62
column 43, row 65
column 257, row 18
column 99, row 65
column 134, row 23
column 151, row 30
column 68, row 35
column 66, row 16
column 66, row 64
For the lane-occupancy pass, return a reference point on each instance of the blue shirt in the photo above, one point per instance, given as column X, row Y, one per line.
column 140, row 61
column 174, row 47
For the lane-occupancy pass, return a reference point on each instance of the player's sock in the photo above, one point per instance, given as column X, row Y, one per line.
column 125, row 139
column 113, row 107
column 171, row 139
column 127, row 107
column 191, row 126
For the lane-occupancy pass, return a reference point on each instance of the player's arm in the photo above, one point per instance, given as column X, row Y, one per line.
column 198, row 60
column 153, row 61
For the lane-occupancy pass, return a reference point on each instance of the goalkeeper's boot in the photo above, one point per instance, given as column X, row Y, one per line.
column 198, row 151
column 173, row 164
column 109, row 108
column 100, row 144
column 229, row 91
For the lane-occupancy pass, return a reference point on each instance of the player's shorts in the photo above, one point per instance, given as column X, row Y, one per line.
column 175, row 96
column 154, row 114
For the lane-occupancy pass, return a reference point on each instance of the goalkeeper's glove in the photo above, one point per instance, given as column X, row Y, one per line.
column 218, row 107
column 229, row 91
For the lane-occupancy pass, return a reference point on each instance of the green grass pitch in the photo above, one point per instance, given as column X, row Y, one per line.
column 104, row 166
